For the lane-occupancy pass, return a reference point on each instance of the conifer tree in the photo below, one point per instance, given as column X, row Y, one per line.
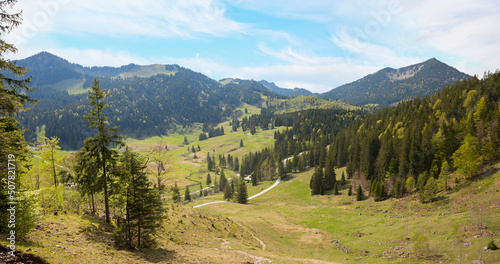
column 144, row 212
column 359, row 193
column 242, row 193
column 445, row 172
column 222, row 181
column 228, row 191
column 316, row 183
column 209, row 180
column 349, row 193
column 330, row 177
column 176, row 193
column 187, row 194
column 100, row 145
column 216, row 186
column 336, row 189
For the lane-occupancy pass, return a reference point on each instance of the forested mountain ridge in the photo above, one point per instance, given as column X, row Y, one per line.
column 141, row 106
column 48, row 70
column 389, row 85
column 286, row 91
column 422, row 139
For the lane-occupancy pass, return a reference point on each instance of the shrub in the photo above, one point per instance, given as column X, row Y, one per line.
column 492, row 246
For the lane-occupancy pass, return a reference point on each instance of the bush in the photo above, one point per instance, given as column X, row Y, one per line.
column 492, row 246
column 421, row 247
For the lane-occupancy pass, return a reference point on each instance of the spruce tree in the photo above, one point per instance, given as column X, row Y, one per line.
column 349, row 193
column 144, row 211
column 330, row 177
column 176, row 193
column 343, row 180
column 228, row 191
column 242, row 193
column 100, row 145
column 336, row 189
column 316, row 183
column 14, row 150
column 209, row 180
column 187, row 194
column 359, row 193
column 222, row 181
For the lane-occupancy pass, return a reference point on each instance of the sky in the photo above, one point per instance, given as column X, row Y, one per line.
column 316, row 44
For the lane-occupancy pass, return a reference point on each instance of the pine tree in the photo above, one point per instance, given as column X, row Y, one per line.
column 242, row 193
column 144, row 212
column 209, row 180
column 349, row 193
column 216, row 186
column 336, row 189
column 241, row 143
column 222, row 181
column 99, row 146
column 330, row 177
column 228, row 191
column 316, row 183
column 176, row 193
column 343, row 180
column 187, row 194
column 359, row 193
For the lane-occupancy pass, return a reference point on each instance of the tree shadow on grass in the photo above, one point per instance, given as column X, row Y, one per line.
column 289, row 177
column 156, row 255
column 98, row 231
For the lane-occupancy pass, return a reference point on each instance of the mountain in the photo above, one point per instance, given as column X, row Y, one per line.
column 49, row 70
column 286, row 91
column 141, row 102
column 389, row 85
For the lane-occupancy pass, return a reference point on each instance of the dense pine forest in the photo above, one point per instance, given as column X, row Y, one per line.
column 141, row 106
column 399, row 150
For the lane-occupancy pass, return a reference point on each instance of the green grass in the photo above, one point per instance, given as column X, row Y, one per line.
column 300, row 226
column 182, row 163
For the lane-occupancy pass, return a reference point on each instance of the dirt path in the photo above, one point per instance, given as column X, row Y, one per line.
column 257, row 195
column 263, row 245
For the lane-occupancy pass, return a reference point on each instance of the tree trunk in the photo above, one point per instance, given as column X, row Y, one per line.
column 106, row 200
column 54, row 169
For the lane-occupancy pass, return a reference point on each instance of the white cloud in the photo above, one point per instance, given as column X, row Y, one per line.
column 185, row 19
column 465, row 30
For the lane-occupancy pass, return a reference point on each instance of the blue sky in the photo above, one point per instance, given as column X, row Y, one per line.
column 315, row 44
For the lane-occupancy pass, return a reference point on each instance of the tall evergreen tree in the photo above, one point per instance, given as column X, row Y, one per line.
column 316, row 183
column 144, row 212
column 242, row 193
column 187, row 194
column 100, row 145
column 209, row 180
column 330, row 177
column 13, row 147
column 359, row 193
column 222, row 181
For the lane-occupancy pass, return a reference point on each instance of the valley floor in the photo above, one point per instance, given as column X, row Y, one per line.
column 287, row 225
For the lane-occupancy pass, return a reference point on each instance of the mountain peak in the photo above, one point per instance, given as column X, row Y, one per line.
column 388, row 86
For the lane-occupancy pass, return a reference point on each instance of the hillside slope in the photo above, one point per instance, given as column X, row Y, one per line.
column 389, row 85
